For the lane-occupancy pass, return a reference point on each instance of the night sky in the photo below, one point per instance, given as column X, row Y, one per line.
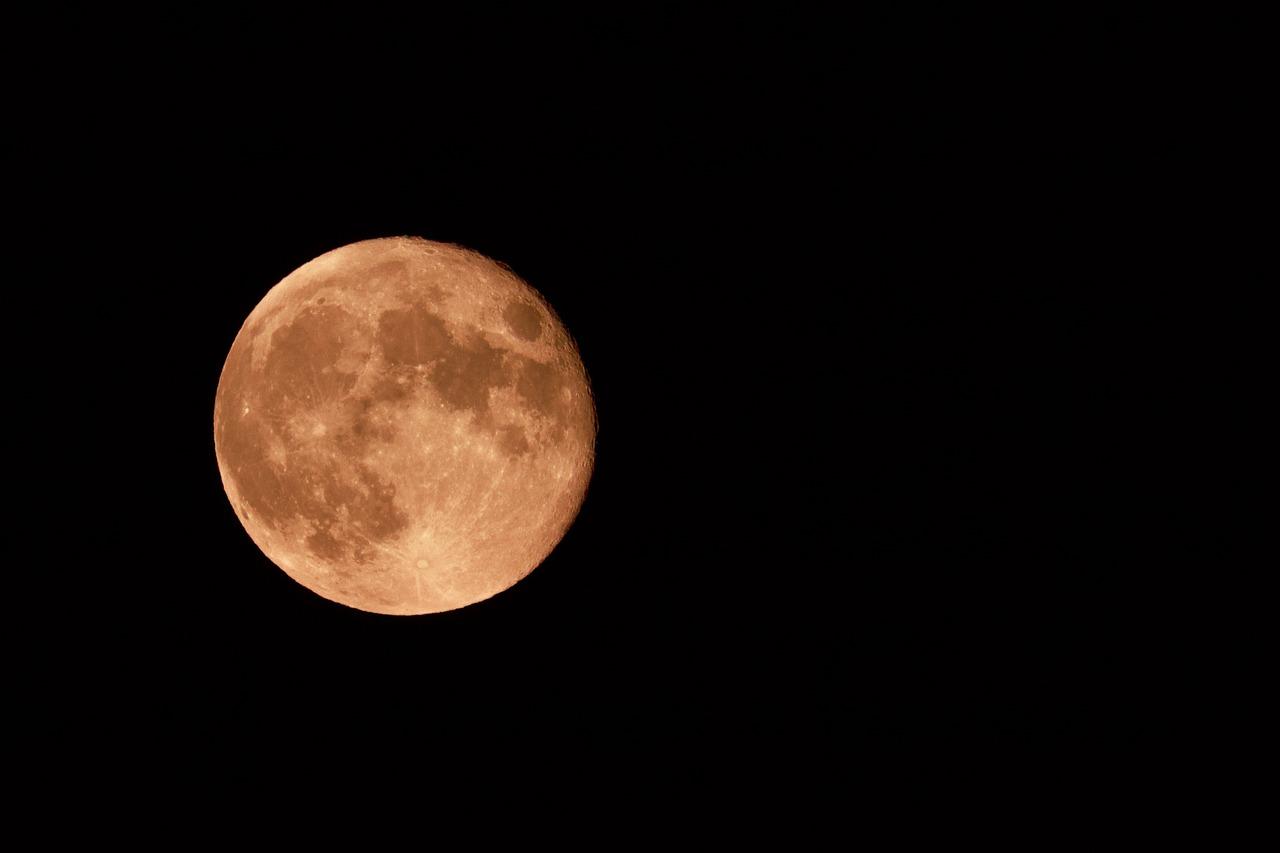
column 886, row 324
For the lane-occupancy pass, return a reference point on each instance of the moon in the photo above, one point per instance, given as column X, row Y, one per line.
column 404, row 426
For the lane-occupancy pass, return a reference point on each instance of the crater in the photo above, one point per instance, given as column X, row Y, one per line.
column 524, row 320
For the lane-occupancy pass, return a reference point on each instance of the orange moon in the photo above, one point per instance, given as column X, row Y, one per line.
column 404, row 426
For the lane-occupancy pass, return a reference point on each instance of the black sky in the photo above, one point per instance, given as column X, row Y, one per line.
column 887, row 320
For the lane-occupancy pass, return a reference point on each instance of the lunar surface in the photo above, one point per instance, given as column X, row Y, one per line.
column 404, row 426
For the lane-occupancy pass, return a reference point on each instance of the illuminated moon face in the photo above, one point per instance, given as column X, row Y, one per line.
column 404, row 426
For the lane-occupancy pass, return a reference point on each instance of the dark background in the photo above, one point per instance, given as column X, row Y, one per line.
column 897, row 334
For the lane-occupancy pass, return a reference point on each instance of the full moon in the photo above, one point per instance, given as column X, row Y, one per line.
column 404, row 426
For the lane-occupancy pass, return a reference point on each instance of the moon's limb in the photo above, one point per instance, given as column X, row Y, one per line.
column 404, row 426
